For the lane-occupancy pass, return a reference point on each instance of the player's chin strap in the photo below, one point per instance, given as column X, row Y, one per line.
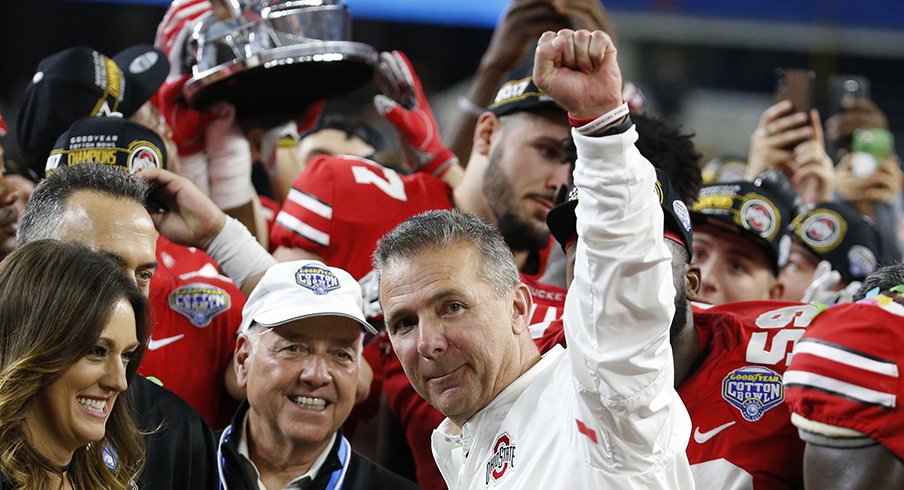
column 337, row 478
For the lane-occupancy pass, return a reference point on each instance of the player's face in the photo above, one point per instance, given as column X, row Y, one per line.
column 524, row 170
column 73, row 410
column 117, row 226
column 732, row 268
column 452, row 331
column 797, row 274
column 300, row 379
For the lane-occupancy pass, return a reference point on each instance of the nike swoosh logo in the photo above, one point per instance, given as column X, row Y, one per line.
column 154, row 344
column 702, row 437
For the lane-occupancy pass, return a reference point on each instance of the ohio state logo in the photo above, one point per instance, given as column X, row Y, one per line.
column 502, row 459
column 823, row 231
column 758, row 216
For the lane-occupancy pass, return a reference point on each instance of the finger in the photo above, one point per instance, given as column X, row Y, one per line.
column 790, row 137
column 582, row 56
column 599, row 43
column 775, row 111
column 566, row 37
column 816, row 124
column 784, row 123
column 546, row 57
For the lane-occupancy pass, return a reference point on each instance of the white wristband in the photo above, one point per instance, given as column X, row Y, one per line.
column 603, row 121
column 238, row 253
column 468, row 106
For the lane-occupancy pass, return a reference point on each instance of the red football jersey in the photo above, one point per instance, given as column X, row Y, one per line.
column 742, row 432
column 743, row 436
column 196, row 315
column 339, row 206
column 845, row 370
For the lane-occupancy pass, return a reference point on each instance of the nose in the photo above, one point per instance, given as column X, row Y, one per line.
column 559, row 176
column 115, row 378
column 431, row 340
column 315, row 371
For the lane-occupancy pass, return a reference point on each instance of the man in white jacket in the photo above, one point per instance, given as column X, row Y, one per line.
column 600, row 414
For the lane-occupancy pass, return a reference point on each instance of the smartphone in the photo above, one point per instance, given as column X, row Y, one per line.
column 841, row 86
column 870, row 147
column 796, row 85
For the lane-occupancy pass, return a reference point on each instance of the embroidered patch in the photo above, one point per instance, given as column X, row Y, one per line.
column 823, row 231
column 753, row 390
column 199, row 302
column 502, row 460
column 682, row 214
column 144, row 155
column 862, row 261
column 760, row 217
column 318, row 279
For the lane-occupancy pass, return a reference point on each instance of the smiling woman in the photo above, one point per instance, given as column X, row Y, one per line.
column 73, row 328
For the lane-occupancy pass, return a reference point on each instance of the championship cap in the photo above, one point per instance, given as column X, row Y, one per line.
column 300, row 289
column 108, row 140
column 838, row 234
column 78, row 82
column 520, row 93
column 676, row 225
column 752, row 211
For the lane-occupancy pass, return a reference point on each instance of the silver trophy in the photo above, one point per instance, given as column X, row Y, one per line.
column 275, row 57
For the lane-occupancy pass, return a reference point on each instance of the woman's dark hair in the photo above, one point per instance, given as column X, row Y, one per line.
column 55, row 301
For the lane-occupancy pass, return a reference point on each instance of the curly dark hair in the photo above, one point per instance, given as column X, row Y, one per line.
column 671, row 151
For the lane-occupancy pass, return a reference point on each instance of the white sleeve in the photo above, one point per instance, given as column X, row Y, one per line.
column 619, row 308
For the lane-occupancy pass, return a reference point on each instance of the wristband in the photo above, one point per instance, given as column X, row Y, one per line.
column 469, row 107
column 601, row 122
column 238, row 253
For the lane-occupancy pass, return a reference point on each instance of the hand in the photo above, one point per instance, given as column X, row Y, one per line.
column 825, row 287
column 183, row 213
column 186, row 123
column 405, row 106
column 883, row 186
column 579, row 70
column 812, row 171
column 779, row 129
column 857, row 113
column 370, row 294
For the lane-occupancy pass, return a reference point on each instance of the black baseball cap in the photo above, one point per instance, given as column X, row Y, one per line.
column 563, row 224
column 78, row 82
column 520, row 93
column 111, row 141
column 840, row 235
column 753, row 211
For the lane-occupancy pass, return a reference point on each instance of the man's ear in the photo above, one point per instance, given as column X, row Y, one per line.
column 487, row 125
column 692, row 281
column 522, row 306
column 242, row 352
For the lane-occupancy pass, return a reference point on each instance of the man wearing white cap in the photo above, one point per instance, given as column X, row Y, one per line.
column 297, row 357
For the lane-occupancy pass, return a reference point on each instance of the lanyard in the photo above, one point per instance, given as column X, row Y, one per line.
column 337, row 478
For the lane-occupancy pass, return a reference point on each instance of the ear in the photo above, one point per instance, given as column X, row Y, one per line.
column 522, row 307
column 241, row 359
column 487, row 125
column 692, row 281
column 776, row 290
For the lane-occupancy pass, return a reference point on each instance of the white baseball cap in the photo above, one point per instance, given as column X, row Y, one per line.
column 302, row 289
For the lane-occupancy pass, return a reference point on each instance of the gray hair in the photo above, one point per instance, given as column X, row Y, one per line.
column 435, row 230
column 42, row 218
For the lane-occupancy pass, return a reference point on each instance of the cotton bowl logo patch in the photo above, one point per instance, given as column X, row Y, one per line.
column 319, row 280
column 502, row 460
column 200, row 302
column 753, row 390
column 144, row 155
column 862, row 261
column 682, row 214
column 760, row 217
column 823, row 231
